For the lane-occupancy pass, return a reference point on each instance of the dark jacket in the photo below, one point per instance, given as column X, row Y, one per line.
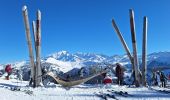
column 119, row 71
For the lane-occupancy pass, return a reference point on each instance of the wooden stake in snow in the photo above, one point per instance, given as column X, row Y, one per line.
column 34, row 33
column 38, row 48
column 133, row 33
column 122, row 40
column 28, row 36
column 144, row 51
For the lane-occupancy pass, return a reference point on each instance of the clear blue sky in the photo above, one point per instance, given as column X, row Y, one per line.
column 82, row 26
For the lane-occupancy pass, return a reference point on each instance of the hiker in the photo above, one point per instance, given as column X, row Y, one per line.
column 83, row 72
column 8, row 70
column 119, row 73
column 163, row 79
column 154, row 79
column 107, row 79
column 19, row 74
column 169, row 76
column 158, row 78
column 44, row 73
column 31, row 80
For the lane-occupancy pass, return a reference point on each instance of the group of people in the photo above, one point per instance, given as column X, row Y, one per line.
column 159, row 79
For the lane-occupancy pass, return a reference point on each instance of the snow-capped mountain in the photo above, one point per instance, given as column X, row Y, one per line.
column 66, row 56
column 163, row 57
column 87, row 57
column 65, row 61
column 69, row 60
column 159, row 57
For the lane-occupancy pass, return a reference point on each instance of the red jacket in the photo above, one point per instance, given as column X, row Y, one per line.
column 8, row 69
column 107, row 80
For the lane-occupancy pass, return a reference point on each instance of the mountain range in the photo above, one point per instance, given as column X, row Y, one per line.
column 65, row 61
column 159, row 59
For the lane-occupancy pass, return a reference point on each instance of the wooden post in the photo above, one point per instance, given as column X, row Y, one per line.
column 38, row 49
column 133, row 34
column 34, row 34
column 28, row 36
column 123, row 43
column 144, row 51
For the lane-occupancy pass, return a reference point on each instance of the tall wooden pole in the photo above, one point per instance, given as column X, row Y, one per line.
column 144, row 51
column 38, row 49
column 123, row 42
column 133, row 34
column 34, row 34
column 28, row 36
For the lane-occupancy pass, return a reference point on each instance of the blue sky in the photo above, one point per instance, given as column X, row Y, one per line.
column 82, row 26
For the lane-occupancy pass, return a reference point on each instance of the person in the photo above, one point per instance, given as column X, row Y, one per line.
column 83, row 72
column 154, row 78
column 107, row 79
column 31, row 79
column 119, row 73
column 163, row 79
column 158, row 78
column 19, row 74
column 169, row 76
column 8, row 70
column 44, row 73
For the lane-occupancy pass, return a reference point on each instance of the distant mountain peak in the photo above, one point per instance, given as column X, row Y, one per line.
column 63, row 52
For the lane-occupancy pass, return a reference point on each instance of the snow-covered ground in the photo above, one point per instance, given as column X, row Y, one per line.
column 80, row 92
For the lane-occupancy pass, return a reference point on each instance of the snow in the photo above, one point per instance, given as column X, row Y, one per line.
column 80, row 92
column 19, row 64
column 39, row 15
column 63, row 66
column 24, row 8
column 159, row 57
column 1, row 67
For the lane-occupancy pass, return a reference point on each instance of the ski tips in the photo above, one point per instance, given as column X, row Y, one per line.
column 39, row 15
column 24, row 8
